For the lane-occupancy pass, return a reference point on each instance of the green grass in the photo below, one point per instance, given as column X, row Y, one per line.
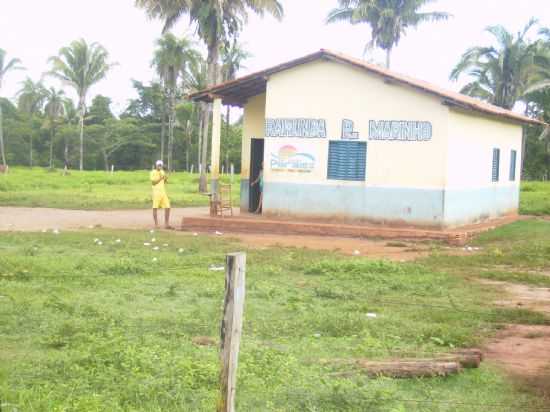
column 88, row 327
column 96, row 190
column 535, row 198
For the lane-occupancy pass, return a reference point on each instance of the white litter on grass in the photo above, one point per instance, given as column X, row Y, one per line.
column 470, row 248
column 165, row 245
column 372, row 315
column 356, row 253
column 156, row 248
column 118, row 241
column 151, row 231
column 100, row 243
column 96, row 240
column 153, row 240
column 55, row 231
column 216, row 268
column 180, row 250
column 44, row 230
column 155, row 259
column 195, row 234
column 146, row 244
column 218, row 233
column 91, row 227
column 317, row 335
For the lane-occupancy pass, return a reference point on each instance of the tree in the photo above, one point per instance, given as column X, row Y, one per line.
column 114, row 134
column 233, row 56
column 81, row 65
column 506, row 72
column 54, row 110
column 71, row 120
column 388, row 19
column 171, row 57
column 5, row 67
column 216, row 20
column 31, row 99
column 100, row 110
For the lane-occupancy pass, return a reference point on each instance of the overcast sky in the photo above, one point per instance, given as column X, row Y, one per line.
column 34, row 30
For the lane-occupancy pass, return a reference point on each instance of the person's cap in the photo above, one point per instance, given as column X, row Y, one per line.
column 159, row 163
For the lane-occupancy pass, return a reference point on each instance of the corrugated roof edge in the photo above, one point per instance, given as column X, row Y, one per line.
column 450, row 97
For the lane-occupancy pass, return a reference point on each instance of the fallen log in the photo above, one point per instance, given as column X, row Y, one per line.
column 403, row 369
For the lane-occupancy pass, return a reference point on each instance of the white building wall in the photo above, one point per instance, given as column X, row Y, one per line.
column 471, row 195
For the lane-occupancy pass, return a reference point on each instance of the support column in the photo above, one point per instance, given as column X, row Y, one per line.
column 215, row 154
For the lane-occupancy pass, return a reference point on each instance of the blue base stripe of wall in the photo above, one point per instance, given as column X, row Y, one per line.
column 422, row 207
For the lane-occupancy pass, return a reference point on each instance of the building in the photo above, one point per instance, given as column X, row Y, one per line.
column 341, row 139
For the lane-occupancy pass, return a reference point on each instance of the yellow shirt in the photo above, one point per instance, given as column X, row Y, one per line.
column 158, row 189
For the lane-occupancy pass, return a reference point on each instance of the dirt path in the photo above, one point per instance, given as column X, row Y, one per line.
column 523, row 350
column 38, row 219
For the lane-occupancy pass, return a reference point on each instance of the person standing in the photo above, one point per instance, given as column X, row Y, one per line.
column 160, row 199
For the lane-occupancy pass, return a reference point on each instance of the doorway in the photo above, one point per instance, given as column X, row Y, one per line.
column 256, row 159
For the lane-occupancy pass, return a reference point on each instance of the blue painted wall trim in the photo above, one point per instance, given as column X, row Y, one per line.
column 380, row 204
column 244, row 195
column 421, row 207
column 475, row 205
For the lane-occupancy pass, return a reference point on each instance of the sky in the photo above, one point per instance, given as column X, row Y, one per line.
column 34, row 30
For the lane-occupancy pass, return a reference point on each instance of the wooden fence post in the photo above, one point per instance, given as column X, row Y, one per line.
column 231, row 329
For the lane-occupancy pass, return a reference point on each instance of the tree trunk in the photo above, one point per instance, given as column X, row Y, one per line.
column 388, row 58
column 199, row 145
column 2, row 152
column 203, row 186
column 30, row 153
column 66, row 152
column 212, row 61
column 163, row 126
column 171, row 124
column 106, row 160
column 82, row 110
column 52, row 135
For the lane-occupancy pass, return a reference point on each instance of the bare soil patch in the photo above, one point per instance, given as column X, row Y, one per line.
column 522, row 296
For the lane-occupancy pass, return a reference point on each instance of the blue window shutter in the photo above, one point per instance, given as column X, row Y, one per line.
column 513, row 158
column 496, row 164
column 347, row 160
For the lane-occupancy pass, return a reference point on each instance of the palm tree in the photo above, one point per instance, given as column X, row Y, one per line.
column 388, row 19
column 216, row 20
column 506, row 72
column 71, row 118
column 54, row 110
column 81, row 65
column 30, row 101
column 5, row 67
column 233, row 56
column 171, row 57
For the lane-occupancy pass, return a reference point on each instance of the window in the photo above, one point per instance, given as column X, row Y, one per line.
column 347, row 160
column 513, row 156
column 496, row 164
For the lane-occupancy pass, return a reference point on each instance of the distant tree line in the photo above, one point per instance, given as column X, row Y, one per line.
column 42, row 127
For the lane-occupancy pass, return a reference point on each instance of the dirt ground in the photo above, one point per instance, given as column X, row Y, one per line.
column 523, row 350
column 38, row 219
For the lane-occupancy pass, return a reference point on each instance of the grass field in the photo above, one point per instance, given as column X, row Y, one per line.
column 92, row 327
column 535, row 198
column 124, row 190
column 96, row 190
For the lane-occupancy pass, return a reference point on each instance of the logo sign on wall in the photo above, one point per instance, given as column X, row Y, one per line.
column 295, row 128
column 287, row 158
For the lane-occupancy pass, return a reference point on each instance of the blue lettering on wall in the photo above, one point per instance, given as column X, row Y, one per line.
column 311, row 128
column 400, row 130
